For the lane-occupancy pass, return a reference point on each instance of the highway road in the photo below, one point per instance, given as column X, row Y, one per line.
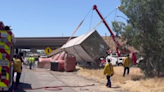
column 35, row 78
column 39, row 78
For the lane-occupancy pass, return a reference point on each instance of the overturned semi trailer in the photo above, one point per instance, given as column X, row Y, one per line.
column 87, row 48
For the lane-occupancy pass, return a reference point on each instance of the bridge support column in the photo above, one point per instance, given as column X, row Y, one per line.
column 24, row 53
column 16, row 51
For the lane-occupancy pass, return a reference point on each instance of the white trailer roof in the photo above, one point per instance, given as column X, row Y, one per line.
column 77, row 40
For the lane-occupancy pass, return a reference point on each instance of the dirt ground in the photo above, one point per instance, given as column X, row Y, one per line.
column 135, row 82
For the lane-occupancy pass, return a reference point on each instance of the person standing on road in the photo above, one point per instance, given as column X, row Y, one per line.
column 17, row 69
column 31, row 61
column 126, row 64
column 109, row 72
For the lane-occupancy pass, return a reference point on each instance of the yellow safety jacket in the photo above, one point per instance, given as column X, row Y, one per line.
column 31, row 59
column 108, row 69
column 127, row 62
column 17, row 65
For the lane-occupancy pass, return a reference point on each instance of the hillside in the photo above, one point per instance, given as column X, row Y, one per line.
column 111, row 44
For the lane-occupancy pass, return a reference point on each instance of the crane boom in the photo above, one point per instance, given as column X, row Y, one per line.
column 113, row 37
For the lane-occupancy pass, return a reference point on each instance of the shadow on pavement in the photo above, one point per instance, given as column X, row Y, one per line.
column 21, row 87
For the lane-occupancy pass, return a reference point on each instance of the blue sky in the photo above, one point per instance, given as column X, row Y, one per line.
column 51, row 18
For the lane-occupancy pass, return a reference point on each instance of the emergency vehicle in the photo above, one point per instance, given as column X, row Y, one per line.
column 7, row 41
column 115, row 60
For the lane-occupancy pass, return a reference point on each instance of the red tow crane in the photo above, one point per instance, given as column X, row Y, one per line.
column 113, row 36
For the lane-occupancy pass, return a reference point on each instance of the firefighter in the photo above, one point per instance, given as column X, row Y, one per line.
column 17, row 69
column 126, row 64
column 109, row 72
column 31, row 61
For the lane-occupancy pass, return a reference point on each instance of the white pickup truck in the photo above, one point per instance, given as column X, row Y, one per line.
column 115, row 60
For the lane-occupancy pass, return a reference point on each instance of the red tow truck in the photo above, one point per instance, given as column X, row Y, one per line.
column 114, row 38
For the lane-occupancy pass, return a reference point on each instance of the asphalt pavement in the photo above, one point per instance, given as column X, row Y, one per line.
column 36, row 78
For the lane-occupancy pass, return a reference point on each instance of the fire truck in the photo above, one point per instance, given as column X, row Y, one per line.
column 7, row 41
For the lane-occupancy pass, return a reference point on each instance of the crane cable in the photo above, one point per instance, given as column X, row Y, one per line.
column 79, row 26
column 90, row 23
column 96, row 24
column 115, row 15
column 88, row 31
column 101, row 20
column 91, row 20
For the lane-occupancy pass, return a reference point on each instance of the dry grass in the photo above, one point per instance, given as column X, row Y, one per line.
column 135, row 82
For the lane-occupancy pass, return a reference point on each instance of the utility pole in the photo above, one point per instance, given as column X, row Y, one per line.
column 62, row 34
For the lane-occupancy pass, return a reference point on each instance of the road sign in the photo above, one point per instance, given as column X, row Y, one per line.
column 48, row 50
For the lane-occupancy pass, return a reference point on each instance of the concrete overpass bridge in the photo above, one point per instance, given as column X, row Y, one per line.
column 40, row 42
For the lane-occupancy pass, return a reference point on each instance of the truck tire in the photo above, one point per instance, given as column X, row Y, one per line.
column 120, row 64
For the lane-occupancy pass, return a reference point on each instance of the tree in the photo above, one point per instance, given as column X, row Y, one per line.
column 145, row 32
column 118, row 26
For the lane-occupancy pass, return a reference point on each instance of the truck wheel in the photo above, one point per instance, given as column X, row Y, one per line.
column 120, row 64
